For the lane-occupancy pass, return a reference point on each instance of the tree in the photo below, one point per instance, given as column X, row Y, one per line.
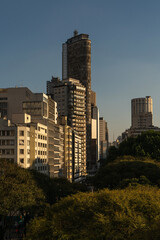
column 56, row 188
column 147, row 144
column 133, row 213
column 125, row 170
column 19, row 194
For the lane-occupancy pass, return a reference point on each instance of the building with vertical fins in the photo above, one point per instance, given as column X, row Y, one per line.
column 76, row 63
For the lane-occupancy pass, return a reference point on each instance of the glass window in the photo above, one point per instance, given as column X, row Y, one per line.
column 21, row 151
column 21, row 133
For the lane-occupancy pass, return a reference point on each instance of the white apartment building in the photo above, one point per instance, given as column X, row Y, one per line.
column 24, row 143
column 43, row 118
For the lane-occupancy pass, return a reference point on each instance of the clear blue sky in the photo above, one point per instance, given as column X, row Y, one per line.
column 125, row 37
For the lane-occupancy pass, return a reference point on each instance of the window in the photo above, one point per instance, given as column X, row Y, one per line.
column 12, row 142
column 21, row 133
column 12, row 133
column 21, row 142
column 12, row 151
column 7, row 151
column 21, row 151
column 3, row 133
column 21, row 160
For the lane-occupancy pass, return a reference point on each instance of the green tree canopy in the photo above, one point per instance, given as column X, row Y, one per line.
column 133, row 213
column 56, row 188
column 127, row 170
column 147, row 144
column 18, row 189
column 19, row 195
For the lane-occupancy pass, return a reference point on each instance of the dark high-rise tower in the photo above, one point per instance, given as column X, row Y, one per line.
column 76, row 63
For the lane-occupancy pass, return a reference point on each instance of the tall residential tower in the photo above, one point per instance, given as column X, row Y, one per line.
column 76, row 63
column 142, row 111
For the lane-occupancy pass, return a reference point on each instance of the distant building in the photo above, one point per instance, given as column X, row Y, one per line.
column 141, row 117
column 93, row 98
column 95, row 141
column 133, row 132
column 103, row 138
column 142, row 112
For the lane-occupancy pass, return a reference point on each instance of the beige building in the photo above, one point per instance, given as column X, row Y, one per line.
column 8, row 141
column 73, row 169
column 43, row 110
column 70, row 97
column 24, row 143
column 142, row 112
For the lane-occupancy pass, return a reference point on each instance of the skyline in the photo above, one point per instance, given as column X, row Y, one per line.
column 124, row 43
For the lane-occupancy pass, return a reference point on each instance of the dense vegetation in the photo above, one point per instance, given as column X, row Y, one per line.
column 145, row 145
column 131, row 214
column 25, row 194
column 129, row 207
column 127, row 170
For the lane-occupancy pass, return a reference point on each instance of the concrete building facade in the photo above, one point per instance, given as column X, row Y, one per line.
column 43, row 110
column 103, row 138
column 142, row 112
column 24, row 143
column 70, row 97
column 76, row 63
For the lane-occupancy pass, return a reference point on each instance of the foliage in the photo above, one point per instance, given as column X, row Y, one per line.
column 127, row 170
column 133, row 213
column 18, row 190
column 56, row 188
column 145, row 145
column 112, row 154
column 19, row 195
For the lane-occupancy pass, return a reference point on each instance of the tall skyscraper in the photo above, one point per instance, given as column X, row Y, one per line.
column 76, row 63
column 142, row 111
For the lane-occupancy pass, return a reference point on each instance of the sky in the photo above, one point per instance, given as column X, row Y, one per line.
column 125, row 40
